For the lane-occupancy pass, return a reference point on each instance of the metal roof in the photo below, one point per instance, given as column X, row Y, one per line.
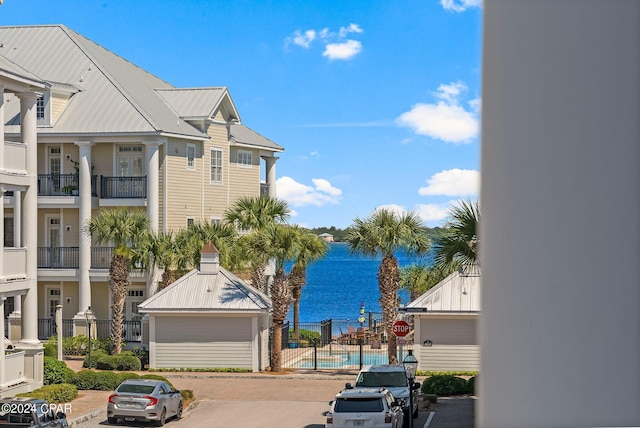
column 459, row 292
column 198, row 102
column 11, row 70
column 244, row 135
column 207, row 293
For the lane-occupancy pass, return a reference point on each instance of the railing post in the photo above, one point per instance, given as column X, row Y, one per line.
column 360, row 343
column 315, row 353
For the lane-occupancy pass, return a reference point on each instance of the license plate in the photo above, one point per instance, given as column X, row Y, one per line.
column 130, row 405
column 358, row 423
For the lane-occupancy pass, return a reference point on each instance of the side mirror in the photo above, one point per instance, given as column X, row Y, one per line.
column 176, row 391
column 61, row 415
column 348, row 385
column 416, row 385
column 400, row 403
column 331, row 403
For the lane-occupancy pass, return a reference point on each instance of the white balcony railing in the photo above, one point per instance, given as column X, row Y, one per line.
column 14, row 263
column 13, row 369
column 15, row 157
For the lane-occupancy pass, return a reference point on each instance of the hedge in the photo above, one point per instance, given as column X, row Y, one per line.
column 123, row 361
column 62, row 393
column 54, row 371
column 443, row 385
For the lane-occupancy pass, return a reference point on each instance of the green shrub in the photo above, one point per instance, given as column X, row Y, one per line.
column 122, row 376
column 70, row 376
column 308, row 335
column 186, row 394
column 471, row 385
column 62, row 393
column 101, row 381
column 51, row 349
column 95, row 356
column 121, row 362
column 443, row 385
column 54, row 371
column 157, row 377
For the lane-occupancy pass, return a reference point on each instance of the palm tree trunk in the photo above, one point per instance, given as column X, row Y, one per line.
column 389, row 283
column 297, row 279
column 119, row 280
column 280, row 301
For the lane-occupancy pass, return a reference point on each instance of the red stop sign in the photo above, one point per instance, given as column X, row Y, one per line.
column 400, row 328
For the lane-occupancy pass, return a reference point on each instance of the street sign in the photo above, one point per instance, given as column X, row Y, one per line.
column 400, row 328
column 400, row 341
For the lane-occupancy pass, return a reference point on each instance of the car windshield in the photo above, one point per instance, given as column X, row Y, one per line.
column 358, row 405
column 136, row 389
column 389, row 379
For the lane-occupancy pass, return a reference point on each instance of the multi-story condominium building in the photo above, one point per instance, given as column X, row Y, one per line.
column 21, row 367
column 110, row 134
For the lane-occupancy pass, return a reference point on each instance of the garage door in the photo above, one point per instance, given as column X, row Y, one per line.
column 203, row 342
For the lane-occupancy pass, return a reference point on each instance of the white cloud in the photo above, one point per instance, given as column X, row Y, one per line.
column 453, row 182
column 428, row 213
column 337, row 46
column 445, row 120
column 345, row 50
column 431, row 213
column 460, row 5
column 298, row 194
column 352, row 28
column 302, row 39
column 324, row 186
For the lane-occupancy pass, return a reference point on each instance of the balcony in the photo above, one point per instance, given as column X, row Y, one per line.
column 123, row 187
column 264, row 189
column 62, row 185
column 58, row 257
column 14, row 262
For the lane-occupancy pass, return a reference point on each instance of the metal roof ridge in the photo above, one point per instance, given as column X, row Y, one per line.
column 79, row 40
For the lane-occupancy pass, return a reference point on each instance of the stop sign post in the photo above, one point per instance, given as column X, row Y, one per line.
column 400, row 328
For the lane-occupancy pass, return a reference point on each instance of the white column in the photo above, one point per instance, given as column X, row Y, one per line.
column 17, row 218
column 84, row 262
column 560, row 230
column 1, row 127
column 270, row 165
column 30, row 218
column 2, row 232
column 153, row 184
column 2, row 343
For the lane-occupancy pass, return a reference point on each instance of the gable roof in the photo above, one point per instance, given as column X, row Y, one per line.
column 207, row 293
column 241, row 134
column 12, row 71
column 457, row 293
column 200, row 103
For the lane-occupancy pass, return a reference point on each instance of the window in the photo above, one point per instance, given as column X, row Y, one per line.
column 215, row 220
column 190, row 221
column 40, row 108
column 359, row 405
column 191, row 155
column 245, row 159
column 216, row 166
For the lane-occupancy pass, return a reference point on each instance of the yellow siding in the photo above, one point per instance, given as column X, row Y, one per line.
column 58, row 103
column 102, row 160
column 71, row 218
column 73, row 151
column 244, row 181
column 100, row 300
column 69, row 290
column 184, row 190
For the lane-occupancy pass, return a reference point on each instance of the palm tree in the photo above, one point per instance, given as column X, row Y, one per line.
column 122, row 229
column 384, row 233
column 221, row 235
column 280, row 243
column 310, row 248
column 459, row 243
column 420, row 278
column 253, row 213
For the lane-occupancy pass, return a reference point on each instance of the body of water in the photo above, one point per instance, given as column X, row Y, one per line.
column 338, row 283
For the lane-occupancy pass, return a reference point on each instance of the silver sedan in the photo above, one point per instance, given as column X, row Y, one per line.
column 144, row 400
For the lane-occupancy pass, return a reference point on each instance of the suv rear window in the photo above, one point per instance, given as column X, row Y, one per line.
column 381, row 379
column 359, row 405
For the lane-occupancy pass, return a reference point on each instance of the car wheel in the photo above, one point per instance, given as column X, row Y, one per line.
column 179, row 411
column 112, row 421
column 163, row 418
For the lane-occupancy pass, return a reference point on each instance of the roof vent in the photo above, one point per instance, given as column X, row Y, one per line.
column 209, row 260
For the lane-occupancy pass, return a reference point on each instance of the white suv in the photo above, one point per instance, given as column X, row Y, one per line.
column 395, row 379
column 365, row 407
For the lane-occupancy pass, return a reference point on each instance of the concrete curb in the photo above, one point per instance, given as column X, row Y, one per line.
column 102, row 413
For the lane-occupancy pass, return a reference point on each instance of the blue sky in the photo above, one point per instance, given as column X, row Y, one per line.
column 376, row 103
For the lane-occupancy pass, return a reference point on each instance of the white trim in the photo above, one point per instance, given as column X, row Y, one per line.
column 221, row 151
column 190, row 217
column 243, row 164
column 215, row 219
column 191, row 160
column 47, row 298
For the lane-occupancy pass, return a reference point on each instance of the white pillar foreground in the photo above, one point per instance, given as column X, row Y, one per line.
column 560, row 231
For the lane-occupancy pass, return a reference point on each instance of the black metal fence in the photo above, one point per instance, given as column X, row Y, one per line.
column 333, row 344
column 131, row 330
column 123, row 187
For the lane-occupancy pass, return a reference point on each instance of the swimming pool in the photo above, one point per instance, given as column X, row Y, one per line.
column 341, row 360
